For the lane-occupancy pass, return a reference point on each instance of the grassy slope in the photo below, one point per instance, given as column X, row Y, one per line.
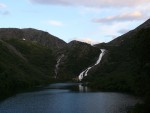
column 15, row 73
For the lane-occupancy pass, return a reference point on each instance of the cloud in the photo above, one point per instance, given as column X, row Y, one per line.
column 93, row 3
column 86, row 10
column 114, row 28
column 109, row 32
column 55, row 23
column 6, row 13
column 121, row 17
column 2, row 5
column 3, row 10
column 87, row 40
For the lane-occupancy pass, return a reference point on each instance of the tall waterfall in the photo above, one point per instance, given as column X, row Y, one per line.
column 85, row 72
column 57, row 65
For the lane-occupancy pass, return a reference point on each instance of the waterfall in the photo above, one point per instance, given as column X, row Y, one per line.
column 57, row 65
column 85, row 72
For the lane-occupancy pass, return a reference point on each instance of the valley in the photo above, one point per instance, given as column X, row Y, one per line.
column 31, row 58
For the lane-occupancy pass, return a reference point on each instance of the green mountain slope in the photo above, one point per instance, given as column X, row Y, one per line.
column 24, row 64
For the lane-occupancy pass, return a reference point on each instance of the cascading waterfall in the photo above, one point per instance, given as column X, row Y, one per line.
column 85, row 72
column 57, row 65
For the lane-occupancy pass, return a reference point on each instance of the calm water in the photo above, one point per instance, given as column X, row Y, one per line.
column 67, row 98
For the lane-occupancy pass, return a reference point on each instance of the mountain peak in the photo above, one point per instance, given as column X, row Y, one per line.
column 32, row 34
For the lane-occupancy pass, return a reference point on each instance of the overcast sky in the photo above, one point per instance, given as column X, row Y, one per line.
column 92, row 21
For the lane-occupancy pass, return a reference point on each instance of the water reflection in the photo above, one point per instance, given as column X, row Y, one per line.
column 83, row 88
column 77, row 87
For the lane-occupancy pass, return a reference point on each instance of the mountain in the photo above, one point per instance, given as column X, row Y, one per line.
column 24, row 64
column 128, row 57
column 34, row 35
column 77, row 57
column 126, row 65
column 31, row 57
column 27, row 59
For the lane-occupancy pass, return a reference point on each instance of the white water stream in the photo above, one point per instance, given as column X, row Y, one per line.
column 57, row 65
column 85, row 72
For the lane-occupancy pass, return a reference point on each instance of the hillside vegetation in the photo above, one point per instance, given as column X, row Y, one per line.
column 77, row 57
column 24, row 64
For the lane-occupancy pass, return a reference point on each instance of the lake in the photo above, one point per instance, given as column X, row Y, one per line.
column 68, row 98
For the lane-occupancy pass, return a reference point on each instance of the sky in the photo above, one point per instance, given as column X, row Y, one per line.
column 91, row 21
